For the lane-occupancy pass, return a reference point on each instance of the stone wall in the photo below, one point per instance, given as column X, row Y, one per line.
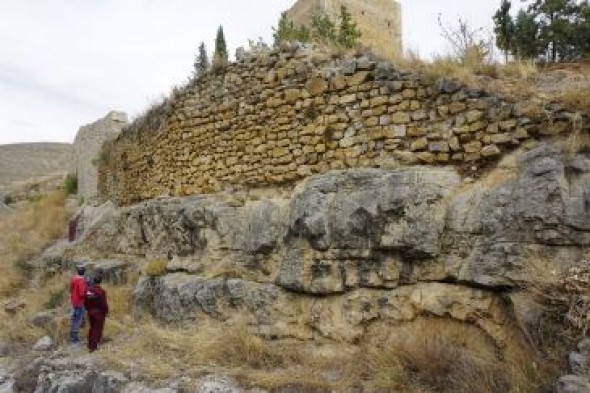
column 380, row 21
column 278, row 116
column 87, row 147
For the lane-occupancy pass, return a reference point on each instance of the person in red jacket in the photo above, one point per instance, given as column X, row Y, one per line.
column 77, row 293
column 97, row 309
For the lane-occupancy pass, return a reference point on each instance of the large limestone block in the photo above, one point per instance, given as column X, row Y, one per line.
column 353, row 219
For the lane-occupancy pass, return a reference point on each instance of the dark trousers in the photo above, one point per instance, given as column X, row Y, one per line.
column 96, row 318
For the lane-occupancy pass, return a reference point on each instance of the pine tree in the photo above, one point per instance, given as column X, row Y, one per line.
column 525, row 43
column 348, row 34
column 582, row 29
column 201, row 61
column 504, row 28
column 221, row 46
column 555, row 19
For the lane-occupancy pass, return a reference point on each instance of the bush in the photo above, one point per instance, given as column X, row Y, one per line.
column 156, row 268
column 56, row 298
column 71, row 184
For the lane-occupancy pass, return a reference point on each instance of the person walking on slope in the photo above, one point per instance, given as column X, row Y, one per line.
column 97, row 309
column 77, row 293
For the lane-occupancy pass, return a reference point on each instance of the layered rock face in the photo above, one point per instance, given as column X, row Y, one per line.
column 352, row 248
column 277, row 116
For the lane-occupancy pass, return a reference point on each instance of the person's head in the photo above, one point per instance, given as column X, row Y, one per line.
column 97, row 280
column 80, row 269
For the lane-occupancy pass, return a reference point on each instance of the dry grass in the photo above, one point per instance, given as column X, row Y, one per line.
column 578, row 99
column 442, row 356
column 24, row 234
column 578, row 140
column 469, row 70
column 165, row 351
column 50, row 293
column 437, row 355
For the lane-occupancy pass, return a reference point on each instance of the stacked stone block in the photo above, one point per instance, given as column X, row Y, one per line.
column 277, row 116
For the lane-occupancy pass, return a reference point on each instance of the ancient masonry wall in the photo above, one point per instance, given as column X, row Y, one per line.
column 87, row 146
column 278, row 116
column 380, row 21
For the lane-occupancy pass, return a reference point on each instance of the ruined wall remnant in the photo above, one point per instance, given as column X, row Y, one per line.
column 278, row 116
column 87, row 145
column 380, row 21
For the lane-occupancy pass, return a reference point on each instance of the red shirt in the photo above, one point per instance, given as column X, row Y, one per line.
column 77, row 291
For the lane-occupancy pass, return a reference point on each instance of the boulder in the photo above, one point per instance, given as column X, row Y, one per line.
column 573, row 384
column 112, row 271
column 43, row 344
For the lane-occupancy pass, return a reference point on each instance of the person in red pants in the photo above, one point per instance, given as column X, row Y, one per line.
column 97, row 310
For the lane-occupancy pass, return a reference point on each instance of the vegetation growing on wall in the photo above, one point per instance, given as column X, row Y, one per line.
column 341, row 32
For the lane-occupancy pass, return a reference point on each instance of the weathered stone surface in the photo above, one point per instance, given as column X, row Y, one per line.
column 366, row 212
column 578, row 363
column 573, row 384
column 111, row 271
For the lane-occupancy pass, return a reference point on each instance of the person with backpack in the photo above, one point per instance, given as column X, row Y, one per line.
column 97, row 309
column 77, row 294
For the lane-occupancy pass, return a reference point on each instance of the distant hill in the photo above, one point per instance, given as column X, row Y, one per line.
column 25, row 161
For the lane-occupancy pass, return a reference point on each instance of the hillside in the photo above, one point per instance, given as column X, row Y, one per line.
column 26, row 161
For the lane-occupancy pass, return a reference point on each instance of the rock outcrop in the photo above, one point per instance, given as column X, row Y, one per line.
column 350, row 248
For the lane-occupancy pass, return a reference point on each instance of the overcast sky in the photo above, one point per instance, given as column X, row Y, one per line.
column 65, row 63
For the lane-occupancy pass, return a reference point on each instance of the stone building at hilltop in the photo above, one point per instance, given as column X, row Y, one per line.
column 87, row 146
column 380, row 21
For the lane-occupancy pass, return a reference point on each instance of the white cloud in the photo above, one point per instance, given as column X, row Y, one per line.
column 64, row 63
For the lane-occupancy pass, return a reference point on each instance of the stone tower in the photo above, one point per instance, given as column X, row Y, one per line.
column 380, row 21
column 87, row 146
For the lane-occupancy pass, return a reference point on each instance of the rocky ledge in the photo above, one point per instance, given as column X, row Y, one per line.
column 348, row 249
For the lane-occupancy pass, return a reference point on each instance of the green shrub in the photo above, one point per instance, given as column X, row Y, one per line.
column 56, row 298
column 71, row 184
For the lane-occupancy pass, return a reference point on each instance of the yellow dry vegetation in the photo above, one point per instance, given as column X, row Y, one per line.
column 468, row 70
column 427, row 355
column 578, row 99
column 24, row 233
column 156, row 267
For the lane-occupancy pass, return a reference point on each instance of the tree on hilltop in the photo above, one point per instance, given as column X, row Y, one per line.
column 220, row 45
column 556, row 30
column 201, row 61
column 525, row 43
column 504, row 28
column 555, row 19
